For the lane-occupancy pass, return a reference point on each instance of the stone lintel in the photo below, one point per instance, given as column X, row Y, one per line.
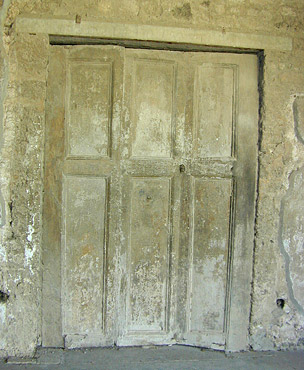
column 94, row 29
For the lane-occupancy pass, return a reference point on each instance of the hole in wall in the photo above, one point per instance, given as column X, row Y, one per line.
column 281, row 303
column 3, row 296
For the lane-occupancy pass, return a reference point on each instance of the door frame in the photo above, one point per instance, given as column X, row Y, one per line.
column 62, row 32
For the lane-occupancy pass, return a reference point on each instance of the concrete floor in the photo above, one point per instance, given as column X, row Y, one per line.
column 160, row 358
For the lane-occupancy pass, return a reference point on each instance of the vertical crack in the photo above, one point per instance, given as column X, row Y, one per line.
column 286, row 201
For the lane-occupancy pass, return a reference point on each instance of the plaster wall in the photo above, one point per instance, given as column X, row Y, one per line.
column 277, row 312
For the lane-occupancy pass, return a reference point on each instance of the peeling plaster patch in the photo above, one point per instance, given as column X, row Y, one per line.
column 260, row 341
column 29, row 253
column 2, row 211
column 30, row 232
column 30, row 250
column 2, row 313
column 2, row 323
column 183, row 11
column 291, row 237
column 3, row 256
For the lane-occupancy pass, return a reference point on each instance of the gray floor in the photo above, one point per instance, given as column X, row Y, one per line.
column 157, row 358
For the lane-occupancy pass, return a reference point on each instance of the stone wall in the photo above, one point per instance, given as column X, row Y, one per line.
column 277, row 319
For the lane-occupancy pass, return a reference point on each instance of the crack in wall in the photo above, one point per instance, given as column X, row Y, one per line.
column 283, row 242
column 297, row 114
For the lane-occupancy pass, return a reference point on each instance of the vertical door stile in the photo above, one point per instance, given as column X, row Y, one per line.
column 92, row 195
column 148, row 190
column 51, row 239
column 123, row 150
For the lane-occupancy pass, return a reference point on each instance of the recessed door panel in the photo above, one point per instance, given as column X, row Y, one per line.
column 149, row 254
column 152, row 108
column 209, row 254
column 214, row 110
column 89, row 92
column 85, row 212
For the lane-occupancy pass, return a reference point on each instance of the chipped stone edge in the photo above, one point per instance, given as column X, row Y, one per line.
column 87, row 28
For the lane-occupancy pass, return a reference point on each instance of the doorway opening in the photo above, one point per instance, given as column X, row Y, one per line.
column 149, row 202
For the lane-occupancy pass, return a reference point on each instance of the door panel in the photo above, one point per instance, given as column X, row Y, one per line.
column 150, row 198
column 209, row 254
column 81, row 153
column 148, row 254
column 84, row 248
column 157, row 154
column 214, row 109
column 88, row 118
column 152, row 108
